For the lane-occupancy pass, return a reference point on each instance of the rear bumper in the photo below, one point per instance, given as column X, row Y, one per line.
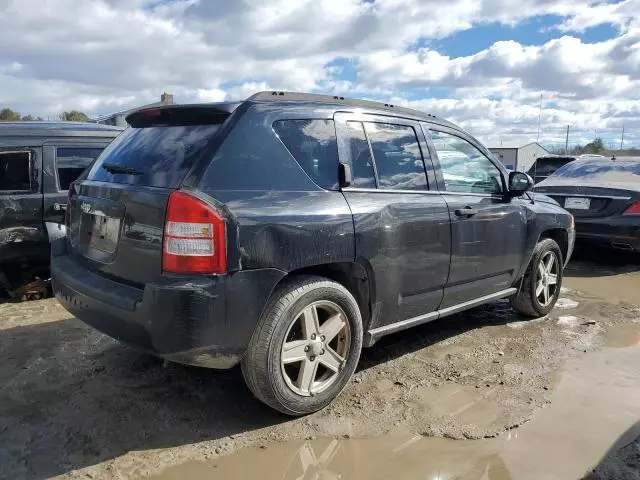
column 203, row 321
column 622, row 233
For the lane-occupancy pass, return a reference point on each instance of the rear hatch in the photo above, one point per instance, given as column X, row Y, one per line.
column 595, row 188
column 117, row 215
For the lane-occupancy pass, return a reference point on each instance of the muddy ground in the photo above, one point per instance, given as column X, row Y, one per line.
column 77, row 404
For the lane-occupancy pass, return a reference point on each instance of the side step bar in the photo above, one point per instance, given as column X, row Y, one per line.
column 375, row 334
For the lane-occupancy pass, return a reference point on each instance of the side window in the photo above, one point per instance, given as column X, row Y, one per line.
column 14, row 171
column 72, row 161
column 397, row 156
column 465, row 168
column 313, row 144
column 362, row 164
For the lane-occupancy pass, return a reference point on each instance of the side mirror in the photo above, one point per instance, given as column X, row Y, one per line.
column 345, row 175
column 519, row 182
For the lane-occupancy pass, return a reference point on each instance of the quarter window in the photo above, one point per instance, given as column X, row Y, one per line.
column 464, row 167
column 14, row 171
column 397, row 155
column 313, row 144
column 72, row 161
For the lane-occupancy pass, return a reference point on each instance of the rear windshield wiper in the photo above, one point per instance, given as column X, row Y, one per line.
column 113, row 168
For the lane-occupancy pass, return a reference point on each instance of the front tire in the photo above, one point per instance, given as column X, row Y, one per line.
column 306, row 346
column 542, row 281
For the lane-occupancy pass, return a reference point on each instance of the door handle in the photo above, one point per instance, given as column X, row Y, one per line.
column 59, row 206
column 466, row 212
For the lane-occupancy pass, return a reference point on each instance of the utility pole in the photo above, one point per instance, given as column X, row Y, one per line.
column 539, row 116
column 566, row 143
column 622, row 138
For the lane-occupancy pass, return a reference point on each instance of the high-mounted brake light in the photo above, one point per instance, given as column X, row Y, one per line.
column 152, row 112
column 634, row 209
column 194, row 237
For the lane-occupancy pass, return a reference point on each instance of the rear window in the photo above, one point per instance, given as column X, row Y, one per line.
column 624, row 171
column 14, row 171
column 157, row 156
column 397, row 156
column 71, row 162
column 547, row 166
column 313, row 144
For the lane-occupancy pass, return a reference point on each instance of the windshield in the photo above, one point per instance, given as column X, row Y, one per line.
column 155, row 156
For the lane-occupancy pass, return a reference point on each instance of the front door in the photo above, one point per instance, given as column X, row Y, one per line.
column 401, row 226
column 488, row 231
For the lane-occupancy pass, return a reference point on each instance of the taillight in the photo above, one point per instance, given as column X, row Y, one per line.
column 194, row 237
column 633, row 209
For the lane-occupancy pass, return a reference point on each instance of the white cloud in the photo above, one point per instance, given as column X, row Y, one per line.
column 106, row 55
column 566, row 66
column 621, row 14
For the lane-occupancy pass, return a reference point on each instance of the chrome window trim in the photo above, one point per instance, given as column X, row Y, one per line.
column 429, row 192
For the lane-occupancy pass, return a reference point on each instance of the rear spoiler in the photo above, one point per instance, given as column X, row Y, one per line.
column 182, row 115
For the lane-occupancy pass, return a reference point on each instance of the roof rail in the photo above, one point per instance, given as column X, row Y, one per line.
column 278, row 96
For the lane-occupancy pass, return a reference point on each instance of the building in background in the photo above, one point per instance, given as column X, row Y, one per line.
column 516, row 156
column 118, row 119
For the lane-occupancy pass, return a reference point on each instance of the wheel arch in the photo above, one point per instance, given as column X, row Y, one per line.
column 357, row 277
column 560, row 236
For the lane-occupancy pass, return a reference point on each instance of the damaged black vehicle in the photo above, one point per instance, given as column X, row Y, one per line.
column 286, row 232
column 38, row 161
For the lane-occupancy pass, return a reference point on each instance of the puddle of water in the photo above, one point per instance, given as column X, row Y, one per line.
column 464, row 405
column 596, row 401
column 627, row 335
column 614, row 287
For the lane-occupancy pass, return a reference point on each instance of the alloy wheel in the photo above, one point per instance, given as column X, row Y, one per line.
column 315, row 348
column 547, row 278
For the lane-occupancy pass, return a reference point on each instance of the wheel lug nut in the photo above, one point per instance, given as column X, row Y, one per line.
column 321, row 352
column 322, row 338
column 312, row 358
column 313, row 336
column 306, row 349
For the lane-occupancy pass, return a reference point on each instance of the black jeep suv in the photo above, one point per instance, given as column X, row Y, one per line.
column 288, row 231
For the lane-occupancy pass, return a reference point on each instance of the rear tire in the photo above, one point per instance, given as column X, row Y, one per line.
column 306, row 346
column 542, row 281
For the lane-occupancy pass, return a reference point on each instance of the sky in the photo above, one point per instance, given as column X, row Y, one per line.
column 498, row 68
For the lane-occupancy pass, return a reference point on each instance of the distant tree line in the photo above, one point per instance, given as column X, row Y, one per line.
column 595, row 147
column 8, row 115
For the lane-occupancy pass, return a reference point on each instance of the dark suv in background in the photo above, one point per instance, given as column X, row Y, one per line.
column 288, row 231
column 546, row 166
column 38, row 161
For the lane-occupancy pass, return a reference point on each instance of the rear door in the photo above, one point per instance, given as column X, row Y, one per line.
column 20, row 199
column 488, row 232
column 64, row 161
column 117, row 214
column 401, row 226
